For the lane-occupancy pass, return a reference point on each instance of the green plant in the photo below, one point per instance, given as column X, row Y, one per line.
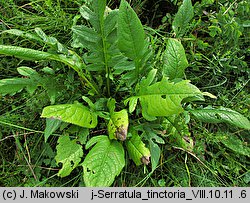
column 217, row 46
column 136, row 106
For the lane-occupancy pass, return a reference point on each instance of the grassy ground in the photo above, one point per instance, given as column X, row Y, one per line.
column 217, row 46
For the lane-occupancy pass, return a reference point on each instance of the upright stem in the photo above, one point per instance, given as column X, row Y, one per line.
column 137, row 68
column 105, row 54
column 107, row 69
column 91, row 84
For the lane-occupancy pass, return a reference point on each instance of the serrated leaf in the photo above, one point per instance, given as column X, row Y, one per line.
column 99, row 9
column 68, row 57
column 86, row 13
column 220, row 115
column 122, row 66
column 72, row 113
column 175, row 61
column 118, row 125
column 164, row 98
column 35, row 81
column 74, row 61
column 51, row 126
column 137, row 150
column 182, row 18
column 69, row 154
column 131, row 36
column 103, row 163
column 110, row 22
column 86, row 36
column 100, row 39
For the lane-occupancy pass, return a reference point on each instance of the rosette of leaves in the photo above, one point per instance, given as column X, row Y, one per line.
column 115, row 66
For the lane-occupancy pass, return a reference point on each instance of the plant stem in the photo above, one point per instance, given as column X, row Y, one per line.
column 107, row 69
column 91, row 84
column 20, row 127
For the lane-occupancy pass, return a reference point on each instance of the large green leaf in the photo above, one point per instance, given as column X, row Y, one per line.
column 144, row 83
column 183, row 17
column 118, row 125
column 99, row 8
column 175, row 59
column 69, row 154
column 137, row 150
column 100, row 39
column 103, row 163
column 95, row 38
column 219, row 115
column 164, row 98
column 131, row 36
column 72, row 113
